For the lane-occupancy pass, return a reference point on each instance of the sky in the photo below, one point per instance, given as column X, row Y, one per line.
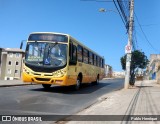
column 104, row 33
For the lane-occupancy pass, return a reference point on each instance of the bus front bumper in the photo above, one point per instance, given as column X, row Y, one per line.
column 63, row 81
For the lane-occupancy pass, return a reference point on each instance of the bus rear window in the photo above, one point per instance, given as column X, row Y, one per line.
column 48, row 37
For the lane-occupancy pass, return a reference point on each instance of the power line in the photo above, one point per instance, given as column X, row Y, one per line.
column 121, row 6
column 135, row 42
column 119, row 13
column 102, row 0
column 126, row 13
column 145, row 34
column 148, row 25
column 99, row 0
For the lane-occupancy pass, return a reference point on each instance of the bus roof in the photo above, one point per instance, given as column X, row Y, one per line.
column 49, row 33
column 85, row 46
column 70, row 37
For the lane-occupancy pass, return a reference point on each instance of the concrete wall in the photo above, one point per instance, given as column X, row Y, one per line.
column 3, row 65
column 0, row 60
column 0, row 55
column 158, row 77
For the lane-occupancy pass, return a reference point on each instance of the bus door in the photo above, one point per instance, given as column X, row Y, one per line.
column 72, row 62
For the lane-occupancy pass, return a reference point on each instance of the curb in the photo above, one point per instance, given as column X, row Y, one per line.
column 12, row 85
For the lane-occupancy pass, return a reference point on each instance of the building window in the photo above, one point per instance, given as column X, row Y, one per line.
column 17, row 55
column 9, row 71
column 10, row 54
column 17, row 63
column 9, row 63
column 16, row 71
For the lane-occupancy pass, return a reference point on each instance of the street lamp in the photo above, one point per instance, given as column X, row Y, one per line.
column 107, row 10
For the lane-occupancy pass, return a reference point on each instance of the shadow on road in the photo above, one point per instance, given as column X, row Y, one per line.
column 85, row 89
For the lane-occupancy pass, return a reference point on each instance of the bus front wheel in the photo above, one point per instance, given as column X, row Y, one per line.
column 46, row 86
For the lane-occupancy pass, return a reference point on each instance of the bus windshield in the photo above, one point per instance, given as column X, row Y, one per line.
column 46, row 54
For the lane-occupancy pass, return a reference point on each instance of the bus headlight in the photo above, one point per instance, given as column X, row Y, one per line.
column 25, row 70
column 59, row 73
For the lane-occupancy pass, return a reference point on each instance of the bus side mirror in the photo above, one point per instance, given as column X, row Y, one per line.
column 21, row 46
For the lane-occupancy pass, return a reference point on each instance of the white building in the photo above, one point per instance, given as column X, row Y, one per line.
column 11, row 63
column 108, row 71
column 119, row 74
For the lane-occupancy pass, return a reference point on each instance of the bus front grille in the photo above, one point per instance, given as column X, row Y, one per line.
column 43, row 79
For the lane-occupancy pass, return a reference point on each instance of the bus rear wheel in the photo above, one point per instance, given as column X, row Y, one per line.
column 97, row 80
column 46, row 86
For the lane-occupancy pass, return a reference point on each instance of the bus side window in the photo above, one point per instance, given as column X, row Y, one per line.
column 99, row 62
column 85, row 56
column 90, row 58
column 95, row 62
column 70, row 50
column 103, row 63
column 73, row 54
column 93, row 58
column 80, row 53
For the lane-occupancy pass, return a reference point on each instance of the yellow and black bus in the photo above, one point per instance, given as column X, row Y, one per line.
column 56, row 58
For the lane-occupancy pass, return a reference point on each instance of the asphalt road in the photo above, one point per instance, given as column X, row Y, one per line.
column 33, row 99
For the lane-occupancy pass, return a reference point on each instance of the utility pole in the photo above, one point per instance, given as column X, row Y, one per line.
column 129, row 46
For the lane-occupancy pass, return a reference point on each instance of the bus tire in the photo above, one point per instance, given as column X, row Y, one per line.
column 97, row 80
column 46, row 86
column 78, row 83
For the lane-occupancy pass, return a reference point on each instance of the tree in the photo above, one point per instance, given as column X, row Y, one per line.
column 138, row 60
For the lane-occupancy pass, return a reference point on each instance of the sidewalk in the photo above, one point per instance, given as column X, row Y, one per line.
column 8, row 83
column 143, row 99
